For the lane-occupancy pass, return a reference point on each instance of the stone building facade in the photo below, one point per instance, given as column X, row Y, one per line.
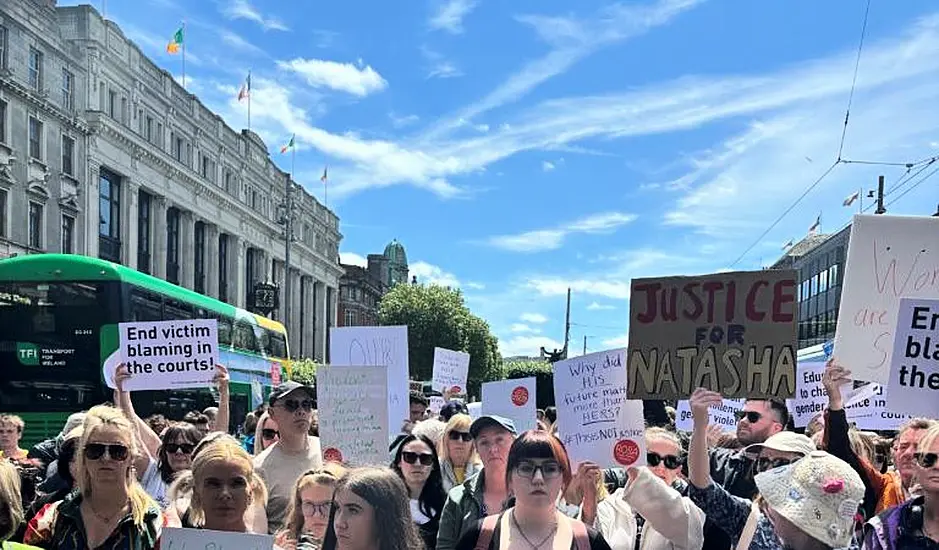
column 362, row 288
column 145, row 175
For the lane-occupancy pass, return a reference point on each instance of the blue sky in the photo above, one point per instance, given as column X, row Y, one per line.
column 520, row 147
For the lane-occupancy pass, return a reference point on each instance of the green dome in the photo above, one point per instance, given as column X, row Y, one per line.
column 395, row 253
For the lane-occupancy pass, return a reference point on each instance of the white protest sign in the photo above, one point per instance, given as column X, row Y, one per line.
column 167, row 355
column 811, row 399
column 724, row 415
column 377, row 346
column 451, row 369
column 914, row 377
column 596, row 422
column 174, row 538
column 436, row 403
column 889, row 257
column 475, row 410
column 353, row 414
column 513, row 399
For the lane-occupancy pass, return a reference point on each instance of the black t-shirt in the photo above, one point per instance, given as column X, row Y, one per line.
column 468, row 540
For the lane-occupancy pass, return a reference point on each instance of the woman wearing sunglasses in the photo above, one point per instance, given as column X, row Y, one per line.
column 652, row 511
column 537, row 472
column 308, row 512
column 110, row 510
column 458, row 458
column 915, row 523
column 416, row 462
column 266, row 433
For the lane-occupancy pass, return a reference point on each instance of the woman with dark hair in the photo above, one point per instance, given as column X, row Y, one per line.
column 371, row 512
column 416, row 463
column 66, row 465
column 537, row 472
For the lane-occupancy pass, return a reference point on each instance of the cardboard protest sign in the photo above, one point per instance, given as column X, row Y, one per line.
column 377, row 346
column 889, row 258
column 353, row 414
column 475, row 410
column 734, row 333
column 166, row 355
column 451, row 369
column 724, row 415
column 174, row 538
column 513, row 399
column 914, row 376
column 595, row 420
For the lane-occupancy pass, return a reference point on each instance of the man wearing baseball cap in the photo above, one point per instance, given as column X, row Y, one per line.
column 485, row 493
column 291, row 406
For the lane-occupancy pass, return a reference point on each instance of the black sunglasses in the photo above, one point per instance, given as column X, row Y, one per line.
column 457, row 436
column 671, row 462
column 926, row 460
column 94, row 451
column 172, row 448
column 411, row 458
column 752, row 416
column 292, row 405
column 269, row 433
column 763, row 463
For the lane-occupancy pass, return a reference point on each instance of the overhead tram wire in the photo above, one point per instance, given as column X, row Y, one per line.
column 915, row 185
column 838, row 159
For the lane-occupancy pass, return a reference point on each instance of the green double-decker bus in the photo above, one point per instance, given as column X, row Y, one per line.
column 59, row 315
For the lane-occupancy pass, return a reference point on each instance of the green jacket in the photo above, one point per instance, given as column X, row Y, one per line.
column 461, row 512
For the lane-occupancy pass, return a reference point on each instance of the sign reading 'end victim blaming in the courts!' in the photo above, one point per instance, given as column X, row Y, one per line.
column 169, row 354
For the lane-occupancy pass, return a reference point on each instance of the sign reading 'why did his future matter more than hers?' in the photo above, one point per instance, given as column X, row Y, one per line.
column 596, row 422
column 914, row 377
column 734, row 333
column 451, row 368
column 169, row 354
column 353, row 414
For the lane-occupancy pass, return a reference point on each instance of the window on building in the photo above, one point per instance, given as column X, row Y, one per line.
column 35, row 225
column 833, row 275
column 3, row 122
column 228, row 178
column 35, row 69
column 823, row 280
column 124, row 116
column 143, row 232
column 68, row 84
column 68, row 155
column 109, row 216
column 35, row 138
column 199, row 264
column 205, row 167
column 3, row 47
column 223, row 267
column 3, row 212
column 172, row 245
column 148, row 128
column 68, row 234
column 349, row 318
column 112, row 104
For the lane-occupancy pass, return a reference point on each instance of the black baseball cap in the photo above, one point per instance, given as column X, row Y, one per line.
column 490, row 420
column 453, row 408
column 287, row 387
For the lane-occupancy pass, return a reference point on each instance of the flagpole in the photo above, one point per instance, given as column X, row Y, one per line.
column 249, row 100
column 326, row 188
column 860, row 201
column 184, row 54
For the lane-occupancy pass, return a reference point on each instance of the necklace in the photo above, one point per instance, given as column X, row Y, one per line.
column 524, row 536
column 103, row 518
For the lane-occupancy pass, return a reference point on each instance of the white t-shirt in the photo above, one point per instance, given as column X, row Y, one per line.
column 152, row 483
column 419, row 517
column 280, row 471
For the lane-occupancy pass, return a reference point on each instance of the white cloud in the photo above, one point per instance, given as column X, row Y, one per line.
column 534, row 318
column 596, row 306
column 547, row 166
column 528, row 346
column 431, row 274
column 552, row 239
column 242, row 9
column 399, row 121
column 450, row 14
column 557, row 286
column 521, row 327
column 474, row 285
column 351, row 258
column 617, row 342
column 237, row 42
column 344, row 77
column 438, row 66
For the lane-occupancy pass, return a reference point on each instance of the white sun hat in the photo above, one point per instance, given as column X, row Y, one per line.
column 789, row 442
column 819, row 494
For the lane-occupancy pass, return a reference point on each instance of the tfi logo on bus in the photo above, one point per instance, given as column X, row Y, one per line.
column 27, row 353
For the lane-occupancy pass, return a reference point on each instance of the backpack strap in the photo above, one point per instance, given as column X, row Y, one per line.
column 486, row 532
column 749, row 528
column 581, row 539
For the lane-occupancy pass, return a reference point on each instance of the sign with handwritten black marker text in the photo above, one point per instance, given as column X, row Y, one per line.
column 174, row 538
column 353, row 418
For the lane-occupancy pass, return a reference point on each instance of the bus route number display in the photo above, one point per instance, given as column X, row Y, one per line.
column 169, row 354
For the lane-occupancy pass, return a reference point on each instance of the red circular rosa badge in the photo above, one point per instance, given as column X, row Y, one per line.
column 626, row 452
column 520, row 396
column 332, row 454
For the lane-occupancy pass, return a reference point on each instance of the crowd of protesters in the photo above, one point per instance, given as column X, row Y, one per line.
column 112, row 480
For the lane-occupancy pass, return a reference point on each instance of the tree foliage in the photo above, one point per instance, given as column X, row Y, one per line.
column 544, row 378
column 438, row 317
column 303, row 371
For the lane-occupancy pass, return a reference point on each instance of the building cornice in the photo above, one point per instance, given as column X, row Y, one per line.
column 41, row 103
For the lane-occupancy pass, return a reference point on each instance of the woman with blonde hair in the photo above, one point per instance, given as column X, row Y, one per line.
column 457, row 452
column 110, row 510
column 11, row 506
column 224, row 483
column 308, row 511
column 265, row 433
